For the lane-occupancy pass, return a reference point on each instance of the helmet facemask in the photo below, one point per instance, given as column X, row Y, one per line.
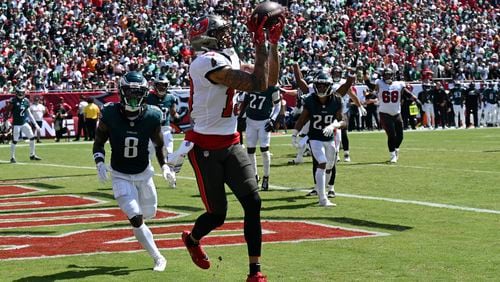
column 323, row 89
column 161, row 86
column 388, row 76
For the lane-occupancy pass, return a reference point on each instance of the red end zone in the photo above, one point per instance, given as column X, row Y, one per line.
column 167, row 237
column 45, row 202
column 17, row 190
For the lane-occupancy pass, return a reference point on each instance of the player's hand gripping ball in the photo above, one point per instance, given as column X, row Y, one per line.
column 267, row 11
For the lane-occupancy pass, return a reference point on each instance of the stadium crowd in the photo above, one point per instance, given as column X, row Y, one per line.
column 68, row 45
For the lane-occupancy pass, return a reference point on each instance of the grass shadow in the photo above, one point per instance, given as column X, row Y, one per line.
column 80, row 272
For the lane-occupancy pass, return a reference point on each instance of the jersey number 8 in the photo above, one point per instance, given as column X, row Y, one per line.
column 130, row 150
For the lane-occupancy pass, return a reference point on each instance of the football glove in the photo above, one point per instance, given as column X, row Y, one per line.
column 257, row 29
column 102, row 172
column 328, row 131
column 169, row 175
column 276, row 30
column 176, row 159
column 269, row 125
column 362, row 111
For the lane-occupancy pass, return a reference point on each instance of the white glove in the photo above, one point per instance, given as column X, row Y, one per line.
column 176, row 159
column 362, row 111
column 169, row 175
column 102, row 172
column 328, row 131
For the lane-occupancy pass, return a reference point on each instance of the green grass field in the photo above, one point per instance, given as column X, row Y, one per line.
column 439, row 208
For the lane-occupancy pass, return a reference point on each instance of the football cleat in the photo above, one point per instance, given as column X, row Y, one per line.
column 35, row 158
column 293, row 162
column 265, row 183
column 13, row 161
column 257, row 277
column 160, row 264
column 312, row 193
column 198, row 255
column 347, row 158
column 326, row 203
column 331, row 194
column 394, row 158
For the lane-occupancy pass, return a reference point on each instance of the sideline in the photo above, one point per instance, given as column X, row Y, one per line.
column 363, row 197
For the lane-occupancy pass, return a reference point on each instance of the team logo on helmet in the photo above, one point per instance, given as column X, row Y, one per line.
column 210, row 33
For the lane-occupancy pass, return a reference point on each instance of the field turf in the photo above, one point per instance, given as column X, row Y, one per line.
column 433, row 216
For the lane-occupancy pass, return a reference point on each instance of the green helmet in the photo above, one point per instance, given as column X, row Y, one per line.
column 133, row 88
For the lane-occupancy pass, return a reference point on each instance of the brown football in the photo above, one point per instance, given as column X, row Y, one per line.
column 270, row 9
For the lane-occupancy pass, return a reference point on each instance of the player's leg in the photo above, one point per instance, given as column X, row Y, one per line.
column 313, row 192
column 345, row 139
column 318, row 151
column 265, row 141
column 239, row 178
column 168, row 140
column 331, row 160
column 15, row 138
column 389, row 128
column 209, row 173
column 28, row 132
column 252, row 138
column 127, row 196
column 398, row 130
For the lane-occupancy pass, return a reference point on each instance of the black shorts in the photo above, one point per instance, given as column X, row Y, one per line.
column 214, row 168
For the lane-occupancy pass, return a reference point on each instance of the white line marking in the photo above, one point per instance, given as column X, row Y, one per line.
column 421, row 203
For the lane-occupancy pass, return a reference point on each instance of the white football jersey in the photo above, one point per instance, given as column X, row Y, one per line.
column 389, row 96
column 212, row 105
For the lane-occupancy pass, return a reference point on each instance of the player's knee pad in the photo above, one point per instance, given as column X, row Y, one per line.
column 251, row 150
column 251, row 203
column 264, row 149
column 136, row 221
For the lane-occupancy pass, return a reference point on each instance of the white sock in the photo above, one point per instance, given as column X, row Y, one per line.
column 253, row 160
column 300, row 154
column 32, row 147
column 346, row 153
column 320, row 183
column 327, row 177
column 12, row 150
column 330, row 188
column 266, row 162
column 145, row 237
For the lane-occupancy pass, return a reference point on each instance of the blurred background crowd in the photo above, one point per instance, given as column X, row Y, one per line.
column 74, row 45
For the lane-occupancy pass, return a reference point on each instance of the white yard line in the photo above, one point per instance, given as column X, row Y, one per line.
column 392, row 200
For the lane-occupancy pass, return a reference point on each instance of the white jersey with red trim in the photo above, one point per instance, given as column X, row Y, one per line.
column 389, row 96
column 212, row 105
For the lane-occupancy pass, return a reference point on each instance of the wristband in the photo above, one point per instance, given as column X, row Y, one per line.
column 98, row 157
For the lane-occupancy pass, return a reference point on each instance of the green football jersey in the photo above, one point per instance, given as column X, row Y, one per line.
column 129, row 140
column 260, row 104
column 20, row 110
column 164, row 103
column 320, row 116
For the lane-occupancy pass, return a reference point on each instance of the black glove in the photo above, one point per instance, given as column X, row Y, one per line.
column 269, row 125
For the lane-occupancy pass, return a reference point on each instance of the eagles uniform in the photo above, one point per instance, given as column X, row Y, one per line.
column 490, row 108
column 21, row 115
column 262, row 108
column 457, row 97
column 164, row 104
column 129, row 126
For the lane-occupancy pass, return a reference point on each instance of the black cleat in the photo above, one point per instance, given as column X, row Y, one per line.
column 257, row 178
column 312, row 193
column 265, row 183
column 13, row 161
column 35, row 158
column 331, row 194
